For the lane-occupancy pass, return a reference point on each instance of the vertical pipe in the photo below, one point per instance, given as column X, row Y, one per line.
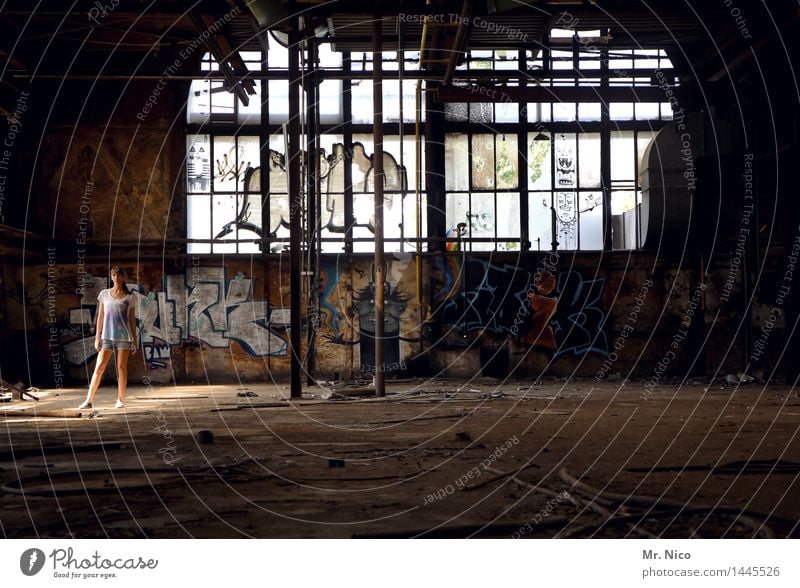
column 295, row 212
column 605, row 153
column 263, row 160
column 347, row 137
column 377, row 177
column 312, row 150
column 523, row 152
column 418, row 190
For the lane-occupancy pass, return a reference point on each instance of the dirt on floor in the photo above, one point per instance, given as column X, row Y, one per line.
column 441, row 458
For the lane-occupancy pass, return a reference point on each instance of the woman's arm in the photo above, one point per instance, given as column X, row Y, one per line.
column 132, row 323
column 99, row 328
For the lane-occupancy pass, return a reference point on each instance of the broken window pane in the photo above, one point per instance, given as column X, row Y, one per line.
column 483, row 165
column 506, row 168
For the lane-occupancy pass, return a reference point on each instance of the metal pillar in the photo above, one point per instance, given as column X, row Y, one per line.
column 377, row 176
column 605, row 154
column 312, row 210
column 295, row 214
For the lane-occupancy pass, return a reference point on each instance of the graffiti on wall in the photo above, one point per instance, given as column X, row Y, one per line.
column 360, row 304
column 481, row 295
column 201, row 306
column 563, row 314
column 566, row 205
column 579, row 317
column 246, row 180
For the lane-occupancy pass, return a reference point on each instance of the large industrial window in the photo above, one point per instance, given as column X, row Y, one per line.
column 529, row 176
column 220, row 204
column 234, row 206
column 517, row 176
column 482, row 183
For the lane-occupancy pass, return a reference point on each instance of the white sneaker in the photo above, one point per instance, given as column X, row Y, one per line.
column 119, row 404
column 85, row 404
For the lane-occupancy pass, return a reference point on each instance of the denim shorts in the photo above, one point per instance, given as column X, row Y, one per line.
column 115, row 345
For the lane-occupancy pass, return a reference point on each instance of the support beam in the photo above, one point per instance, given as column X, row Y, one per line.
column 312, row 209
column 605, row 155
column 478, row 93
column 746, row 54
column 295, row 216
column 377, row 177
column 230, row 64
column 461, row 36
column 152, row 72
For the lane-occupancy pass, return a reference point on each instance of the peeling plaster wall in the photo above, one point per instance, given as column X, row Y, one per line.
column 97, row 154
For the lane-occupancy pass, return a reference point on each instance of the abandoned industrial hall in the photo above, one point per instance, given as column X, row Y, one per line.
column 446, row 269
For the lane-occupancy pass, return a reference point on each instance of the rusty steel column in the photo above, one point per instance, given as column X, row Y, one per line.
column 293, row 156
column 377, row 177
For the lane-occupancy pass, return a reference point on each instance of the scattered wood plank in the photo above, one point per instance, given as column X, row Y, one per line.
column 10, row 455
column 411, row 420
column 177, row 397
column 66, row 413
column 352, row 392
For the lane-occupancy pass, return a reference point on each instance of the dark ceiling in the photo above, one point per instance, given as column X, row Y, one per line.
column 137, row 38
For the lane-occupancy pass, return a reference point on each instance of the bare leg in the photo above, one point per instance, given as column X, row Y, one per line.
column 100, row 367
column 122, row 373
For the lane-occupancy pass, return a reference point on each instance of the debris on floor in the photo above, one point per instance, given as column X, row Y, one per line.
column 205, row 437
column 740, row 378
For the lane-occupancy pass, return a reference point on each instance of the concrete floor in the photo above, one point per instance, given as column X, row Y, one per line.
column 427, row 460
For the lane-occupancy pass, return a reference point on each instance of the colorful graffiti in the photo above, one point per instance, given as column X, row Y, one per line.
column 563, row 315
column 200, row 306
column 360, row 304
column 395, row 304
column 579, row 316
column 480, row 296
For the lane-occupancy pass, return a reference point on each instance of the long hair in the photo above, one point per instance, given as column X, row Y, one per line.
column 121, row 273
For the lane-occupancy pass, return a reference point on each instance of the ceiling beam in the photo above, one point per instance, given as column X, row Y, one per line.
column 156, row 73
column 459, row 41
column 547, row 94
column 229, row 61
column 746, row 55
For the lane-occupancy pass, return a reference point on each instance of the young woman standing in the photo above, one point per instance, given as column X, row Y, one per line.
column 116, row 331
